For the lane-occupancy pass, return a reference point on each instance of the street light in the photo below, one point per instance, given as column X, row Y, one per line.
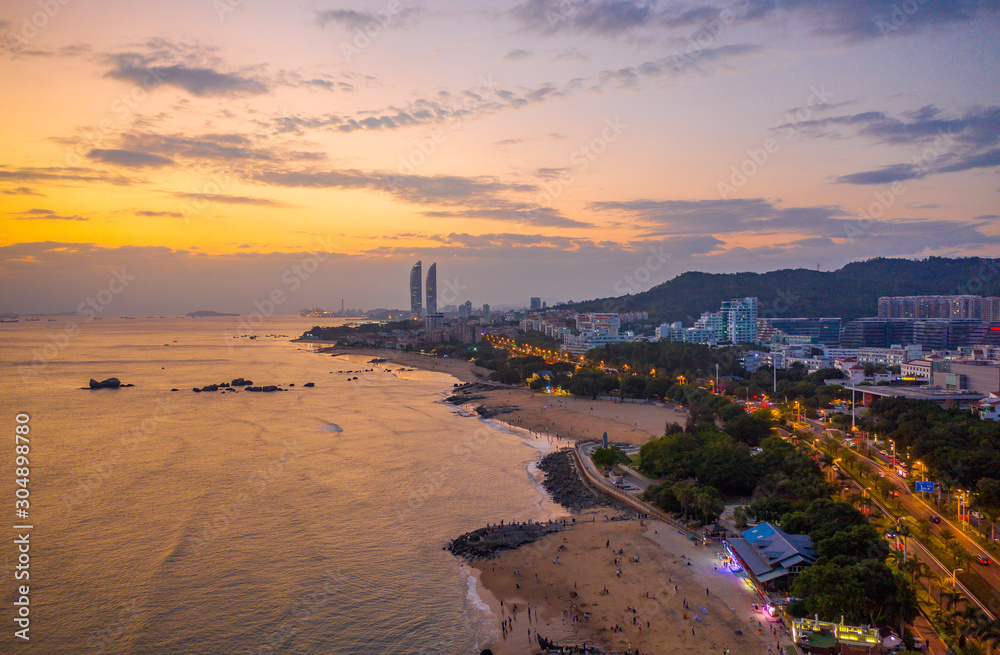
column 953, row 580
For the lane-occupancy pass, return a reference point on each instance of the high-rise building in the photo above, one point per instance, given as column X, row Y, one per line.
column 966, row 306
column 536, row 303
column 818, row 330
column 415, row 295
column 486, row 310
column 432, row 289
column 740, row 318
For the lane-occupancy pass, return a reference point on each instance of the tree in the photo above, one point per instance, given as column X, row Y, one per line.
column 608, row 457
column 740, row 517
column 751, row 429
column 853, row 544
column 987, row 500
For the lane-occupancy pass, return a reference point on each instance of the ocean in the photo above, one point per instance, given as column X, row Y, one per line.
column 305, row 521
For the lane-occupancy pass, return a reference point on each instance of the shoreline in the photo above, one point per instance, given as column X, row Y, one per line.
column 571, row 582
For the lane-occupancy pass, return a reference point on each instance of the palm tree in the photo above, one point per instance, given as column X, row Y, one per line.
column 950, row 598
column 989, row 633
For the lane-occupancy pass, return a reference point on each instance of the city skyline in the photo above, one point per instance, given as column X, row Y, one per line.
column 216, row 152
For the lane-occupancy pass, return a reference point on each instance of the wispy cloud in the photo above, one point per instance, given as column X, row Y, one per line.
column 128, row 158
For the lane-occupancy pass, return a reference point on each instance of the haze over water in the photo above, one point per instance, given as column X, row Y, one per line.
column 176, row 522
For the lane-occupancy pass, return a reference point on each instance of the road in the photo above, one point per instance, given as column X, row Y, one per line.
column 914, row 505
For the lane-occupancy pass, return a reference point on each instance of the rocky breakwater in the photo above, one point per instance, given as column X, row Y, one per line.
column 564, row 484
column 488, row 541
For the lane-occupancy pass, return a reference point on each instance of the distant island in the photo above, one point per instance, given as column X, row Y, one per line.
column 202, row 313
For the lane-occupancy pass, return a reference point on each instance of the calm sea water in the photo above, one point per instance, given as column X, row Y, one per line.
column 307, row 521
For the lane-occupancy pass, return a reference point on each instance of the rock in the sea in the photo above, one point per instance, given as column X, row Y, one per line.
column 309, row 384
column 196, row 390
column 270, row 388
column 173, row 389
column 110, row 383
column 210, row 387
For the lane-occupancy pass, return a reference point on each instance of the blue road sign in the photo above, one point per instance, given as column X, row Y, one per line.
column 923, row 485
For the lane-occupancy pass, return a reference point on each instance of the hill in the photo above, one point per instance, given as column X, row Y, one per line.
column 850, row 292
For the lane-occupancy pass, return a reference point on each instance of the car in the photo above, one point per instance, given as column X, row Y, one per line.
column 935, row 518
column 984, row 561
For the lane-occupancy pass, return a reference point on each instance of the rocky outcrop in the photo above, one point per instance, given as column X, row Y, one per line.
column 564, row 484
column 486, row 542
column 110, row 383
column 309, row 384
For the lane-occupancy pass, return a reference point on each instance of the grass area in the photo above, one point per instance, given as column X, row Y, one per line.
column 634, row 461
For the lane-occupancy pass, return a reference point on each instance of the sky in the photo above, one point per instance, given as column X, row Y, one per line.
column 227, row 154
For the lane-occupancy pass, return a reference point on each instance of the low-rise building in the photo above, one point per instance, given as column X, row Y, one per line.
column 770, row 557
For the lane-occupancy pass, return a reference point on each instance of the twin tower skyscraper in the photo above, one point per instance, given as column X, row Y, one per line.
column 432, row 289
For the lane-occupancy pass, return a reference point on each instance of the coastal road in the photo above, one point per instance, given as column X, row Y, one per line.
column 917, row 507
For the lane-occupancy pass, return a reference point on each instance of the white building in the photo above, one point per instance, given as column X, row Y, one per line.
column 919, row 369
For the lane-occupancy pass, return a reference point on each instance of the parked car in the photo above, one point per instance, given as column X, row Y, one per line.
column 935, row 518
column 984, row 561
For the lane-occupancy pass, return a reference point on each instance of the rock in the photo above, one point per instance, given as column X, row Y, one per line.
column 269, row 388
column 196, row 390
column 173, row 389
column 210, row 387
column 486, row 542
column 240, row 382
column 110, row 383
column 309, row 384
column 565, row 486
column 291, row 384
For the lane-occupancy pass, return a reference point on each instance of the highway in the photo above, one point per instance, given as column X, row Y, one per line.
column 914, row 505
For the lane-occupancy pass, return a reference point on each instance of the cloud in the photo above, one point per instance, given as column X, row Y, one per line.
column 158, row 213
column 596, row 17
column 233, row 200
column 51, row 174
column 708, row 217
column 513, row 213
column 518, row 55
column 950, row 144
column 855, row 21
column 129, row 158
column 20, row 191
column 199, row 81
column 884, row 175
column 39, row 214
column 353, row 20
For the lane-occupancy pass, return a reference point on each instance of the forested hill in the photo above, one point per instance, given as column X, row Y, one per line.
column 849, row 293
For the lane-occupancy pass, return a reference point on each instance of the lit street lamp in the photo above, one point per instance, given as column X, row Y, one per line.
column 953, row 576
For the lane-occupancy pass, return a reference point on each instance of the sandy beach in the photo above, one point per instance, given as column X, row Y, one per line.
column 465, row 371
column 564, row 416
column 581, row 419
column 640, row 609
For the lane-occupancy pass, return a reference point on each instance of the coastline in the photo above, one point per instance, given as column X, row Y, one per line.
column 464, row 371
column 639, row 610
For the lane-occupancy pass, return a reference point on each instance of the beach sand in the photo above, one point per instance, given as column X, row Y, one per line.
column 564, row 416
column 574, row 586
column 464, row 370
column 582, row 419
